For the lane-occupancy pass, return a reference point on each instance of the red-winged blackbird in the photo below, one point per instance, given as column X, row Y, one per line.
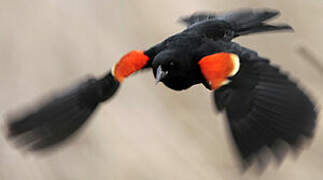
column 263, row 106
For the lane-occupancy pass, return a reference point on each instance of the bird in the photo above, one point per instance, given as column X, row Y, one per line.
column 263, row 106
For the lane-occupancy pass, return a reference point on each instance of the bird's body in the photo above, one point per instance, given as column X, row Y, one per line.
column 206, row 34
column 263, row 106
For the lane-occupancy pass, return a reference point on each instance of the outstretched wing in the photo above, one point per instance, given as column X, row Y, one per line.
column 58, row 118
column 263, row 107
column 54, row 121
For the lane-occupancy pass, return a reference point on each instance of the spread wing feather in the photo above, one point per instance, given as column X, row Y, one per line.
column 263, row 107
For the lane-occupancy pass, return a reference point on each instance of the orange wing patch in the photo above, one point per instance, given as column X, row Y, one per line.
column 216, row 68
column 128, row 64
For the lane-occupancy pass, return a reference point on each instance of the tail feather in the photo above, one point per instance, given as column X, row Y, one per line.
column 249, row 17
column 240, row 17
column 262, row 28
column 242, row 22
column 61, row 117
column 250, row 21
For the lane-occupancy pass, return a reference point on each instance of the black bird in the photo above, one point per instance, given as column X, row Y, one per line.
column 263, row 106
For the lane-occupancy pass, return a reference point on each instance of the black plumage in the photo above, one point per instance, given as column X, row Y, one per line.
column 263, row 106
column 62, row 115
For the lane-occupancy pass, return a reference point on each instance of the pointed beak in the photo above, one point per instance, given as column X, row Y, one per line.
column 160, row 74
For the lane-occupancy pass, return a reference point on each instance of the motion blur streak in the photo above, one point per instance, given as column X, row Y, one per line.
column 46, row 45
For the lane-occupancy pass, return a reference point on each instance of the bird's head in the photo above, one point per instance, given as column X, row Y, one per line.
column 176, row 69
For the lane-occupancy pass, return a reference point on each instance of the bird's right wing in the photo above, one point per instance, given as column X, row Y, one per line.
column 263, row 107
column 55, row 120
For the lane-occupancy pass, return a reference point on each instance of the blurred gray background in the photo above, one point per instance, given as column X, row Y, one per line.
column 146, row 132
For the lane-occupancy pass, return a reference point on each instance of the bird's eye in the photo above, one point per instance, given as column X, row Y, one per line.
column 171, row 65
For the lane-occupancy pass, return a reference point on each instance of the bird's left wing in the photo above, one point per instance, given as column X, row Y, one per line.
column 62, row 115
column 263, row 106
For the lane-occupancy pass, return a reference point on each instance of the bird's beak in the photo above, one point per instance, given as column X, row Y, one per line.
column 160, row 74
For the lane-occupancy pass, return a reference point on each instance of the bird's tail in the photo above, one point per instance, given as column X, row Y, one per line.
column 254, row 21
column 62, row 115
column 244, row 21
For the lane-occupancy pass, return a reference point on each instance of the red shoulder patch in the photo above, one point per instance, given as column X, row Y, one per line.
column 129, row 63
column 216, row 68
